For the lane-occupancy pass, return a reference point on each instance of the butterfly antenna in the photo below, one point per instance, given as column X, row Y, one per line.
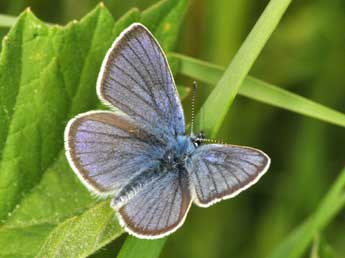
column 211, row 140
column 195, row 86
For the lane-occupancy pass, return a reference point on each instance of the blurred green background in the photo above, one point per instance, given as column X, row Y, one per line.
column 306, row 55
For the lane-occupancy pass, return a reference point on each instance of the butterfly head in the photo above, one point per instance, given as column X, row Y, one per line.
column 198, row 138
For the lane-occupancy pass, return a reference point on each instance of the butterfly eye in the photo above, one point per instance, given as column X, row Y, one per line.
column 198, row 139
column 201, row 135
column 196, row 142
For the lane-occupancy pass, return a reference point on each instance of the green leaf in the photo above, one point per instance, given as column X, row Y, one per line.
column 146, row 248
column 56, row 70
column 82, row 235
column 131, row 16
column 260, row 91
column 42, row 204
column 164, row 20
column 298, row 241
column 37, row 102
column 227, row 87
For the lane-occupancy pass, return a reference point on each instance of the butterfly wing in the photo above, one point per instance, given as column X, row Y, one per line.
column 159, row 208
column 135, row 77
column 106, row 150
column 219, row 172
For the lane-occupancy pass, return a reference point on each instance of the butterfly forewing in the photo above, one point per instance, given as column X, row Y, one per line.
column 159, row 208
column 222, row 171
column 135, row 77
column 107, row 150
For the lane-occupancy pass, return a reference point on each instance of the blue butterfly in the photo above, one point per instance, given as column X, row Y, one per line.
column 139, row 153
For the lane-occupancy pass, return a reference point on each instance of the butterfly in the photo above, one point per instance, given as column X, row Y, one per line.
column 139, row 153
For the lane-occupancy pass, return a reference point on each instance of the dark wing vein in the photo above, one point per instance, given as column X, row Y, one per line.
column 211, row 176
column 163, row 84
column 172, row 205
column 143, row 79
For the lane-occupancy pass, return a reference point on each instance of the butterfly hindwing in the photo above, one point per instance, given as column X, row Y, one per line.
column 159, row 208
column 107, row 150
column 222, row 171
column 136, row 78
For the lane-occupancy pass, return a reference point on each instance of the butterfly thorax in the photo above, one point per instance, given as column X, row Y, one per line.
column 177, row 154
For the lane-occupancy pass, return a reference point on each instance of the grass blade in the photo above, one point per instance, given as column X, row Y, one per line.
column 7, row 21
column 261, row 91
column 145, row 248
column 290, row 101
column 227, row 87
column 297, row 242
